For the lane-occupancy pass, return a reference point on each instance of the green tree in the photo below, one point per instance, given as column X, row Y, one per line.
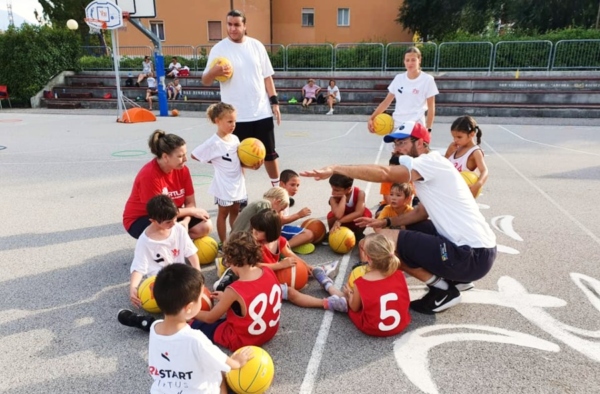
column 58, row 12
column 541, row 16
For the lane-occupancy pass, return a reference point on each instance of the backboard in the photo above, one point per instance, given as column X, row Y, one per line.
column 101, row 14
column 137, row 8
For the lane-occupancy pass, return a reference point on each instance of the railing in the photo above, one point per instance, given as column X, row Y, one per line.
column 524, row 55
column 447, row 56
column 358, row 57
column 308, row 57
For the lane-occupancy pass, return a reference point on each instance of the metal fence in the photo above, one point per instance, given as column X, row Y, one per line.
column 447, row 56
column 524, row 55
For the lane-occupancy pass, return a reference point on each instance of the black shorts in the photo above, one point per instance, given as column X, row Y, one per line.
column 264, row 130
column 138, row 227
column 420, row 246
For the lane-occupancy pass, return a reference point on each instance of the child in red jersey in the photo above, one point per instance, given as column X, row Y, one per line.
column 378, row 303
column 252, row 303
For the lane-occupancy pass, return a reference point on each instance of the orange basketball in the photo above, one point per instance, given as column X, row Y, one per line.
column 251, row 151
column 317, row 227
column 296, row 276
column 175, row 112
column 207, row 303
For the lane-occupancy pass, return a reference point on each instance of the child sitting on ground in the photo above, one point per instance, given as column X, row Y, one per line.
column 175, row 346
column 347, row 203
column 379, row 302
column 300, row 239
column 253, row 298
column 275, row 198
column 276, row 254
column 164, row 242
column 401, row 195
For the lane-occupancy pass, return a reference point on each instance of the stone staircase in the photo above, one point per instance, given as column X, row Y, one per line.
column 554, row 94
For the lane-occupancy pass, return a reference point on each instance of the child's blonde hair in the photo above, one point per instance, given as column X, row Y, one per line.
column 215, row 111
column 381, row 252
column 278, row 194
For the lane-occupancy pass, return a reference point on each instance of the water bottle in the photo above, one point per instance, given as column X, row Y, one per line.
column 184, row 98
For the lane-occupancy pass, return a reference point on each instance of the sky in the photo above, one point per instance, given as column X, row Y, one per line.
column 24, row 8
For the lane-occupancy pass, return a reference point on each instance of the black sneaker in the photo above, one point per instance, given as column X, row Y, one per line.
column 131, row 319
column 436, row 300
column 462, row 286
column 225, row 280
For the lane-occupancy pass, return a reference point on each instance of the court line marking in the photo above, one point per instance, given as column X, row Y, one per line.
column 544, row 144
column 314, row 363
column 544, row 194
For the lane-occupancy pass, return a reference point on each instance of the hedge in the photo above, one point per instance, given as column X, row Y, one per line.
column 31, row 55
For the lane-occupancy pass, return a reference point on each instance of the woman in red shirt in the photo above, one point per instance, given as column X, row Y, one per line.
column 165, row 174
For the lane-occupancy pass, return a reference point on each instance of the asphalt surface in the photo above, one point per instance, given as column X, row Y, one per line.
column 531, row 326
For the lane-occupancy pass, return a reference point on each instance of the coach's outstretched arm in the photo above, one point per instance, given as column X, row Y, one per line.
column 366, row 172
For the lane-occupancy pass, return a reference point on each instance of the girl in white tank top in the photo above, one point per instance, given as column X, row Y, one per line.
column 466, row 154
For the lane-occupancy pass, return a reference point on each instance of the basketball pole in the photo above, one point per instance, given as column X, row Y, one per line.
column 115, row 49
column 159, row 66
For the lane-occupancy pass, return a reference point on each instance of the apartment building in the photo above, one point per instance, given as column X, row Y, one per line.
column 202, row 22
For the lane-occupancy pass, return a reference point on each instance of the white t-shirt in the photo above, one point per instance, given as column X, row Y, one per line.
column 151, row 82
column 184, row 363
column 245, row 90
column 151, row 256
column 411, row 97
column 175, row 66
column 335, row 91
column 449, row 202
column 146, row 67
column 228, row 182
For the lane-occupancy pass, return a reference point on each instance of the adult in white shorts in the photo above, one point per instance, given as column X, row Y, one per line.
column 250, row 88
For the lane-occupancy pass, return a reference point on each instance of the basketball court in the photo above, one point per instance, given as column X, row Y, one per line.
column 531, row 326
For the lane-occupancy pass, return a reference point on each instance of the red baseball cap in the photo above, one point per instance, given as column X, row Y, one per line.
column 409, row 129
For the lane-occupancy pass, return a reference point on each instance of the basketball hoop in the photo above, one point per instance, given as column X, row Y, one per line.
column 125, row 15
column 96, row 25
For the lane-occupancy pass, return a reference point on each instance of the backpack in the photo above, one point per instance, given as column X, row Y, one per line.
column 320, row 99
column 129, row 82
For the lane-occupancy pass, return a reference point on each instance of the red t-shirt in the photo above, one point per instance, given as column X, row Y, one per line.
column 270, row 257
column 385, row 305
column 263, row 305
column 149, row 182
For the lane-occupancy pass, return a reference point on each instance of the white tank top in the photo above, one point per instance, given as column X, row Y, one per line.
column 460, row 163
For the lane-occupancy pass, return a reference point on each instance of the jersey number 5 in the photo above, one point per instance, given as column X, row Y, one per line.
column 388, row 313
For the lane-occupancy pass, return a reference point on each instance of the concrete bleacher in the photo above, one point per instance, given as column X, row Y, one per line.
column 502, row 94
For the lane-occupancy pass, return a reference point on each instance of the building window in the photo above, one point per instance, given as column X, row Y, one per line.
column 343, row 17
column 158, row 28
column 308, row 17
column 214, row 31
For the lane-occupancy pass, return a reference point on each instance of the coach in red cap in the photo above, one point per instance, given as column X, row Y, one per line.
column 447, row 243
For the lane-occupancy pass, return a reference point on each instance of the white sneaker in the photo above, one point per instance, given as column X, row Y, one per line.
column 331, row 269
column 330, row 112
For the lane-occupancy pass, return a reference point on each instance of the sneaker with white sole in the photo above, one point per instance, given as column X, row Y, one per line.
column 463, row 286
column 332, row 268
column 436, row 300
column 319, row 274
column 337, row 303
column 330, row 112
column 225, row 280
column 131, row 319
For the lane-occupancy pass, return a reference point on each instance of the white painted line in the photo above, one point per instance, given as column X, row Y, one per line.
column 310, row 377
column 549, row 145
column 544, row 194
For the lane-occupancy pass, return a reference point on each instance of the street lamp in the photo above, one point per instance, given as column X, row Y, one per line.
column 72, row 24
